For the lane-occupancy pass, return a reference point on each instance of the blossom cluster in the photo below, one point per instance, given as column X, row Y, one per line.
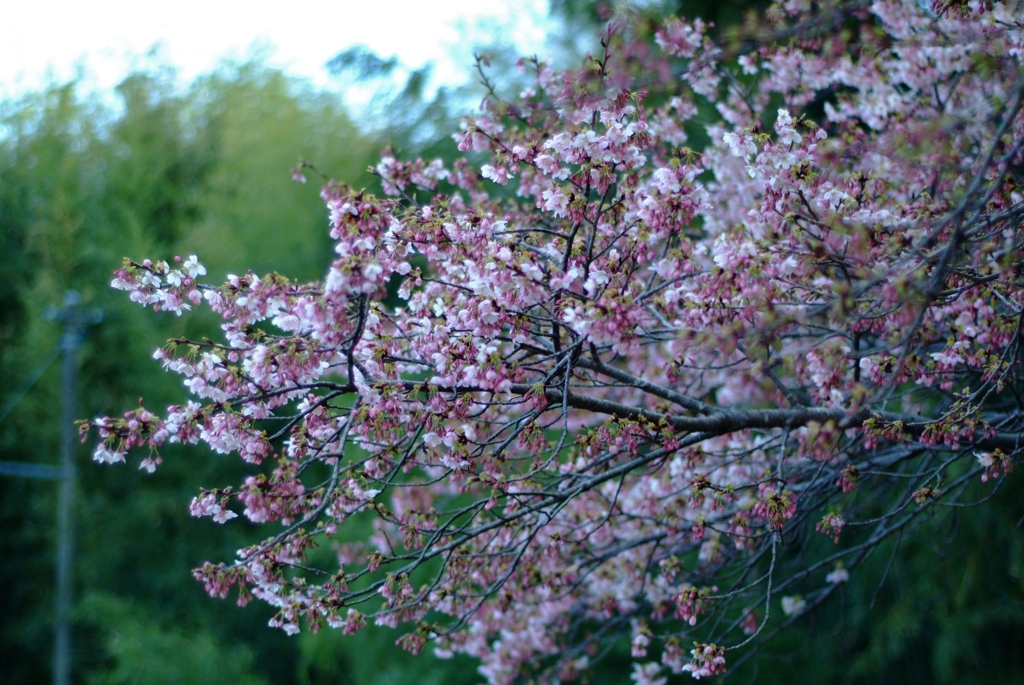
column 623, row 366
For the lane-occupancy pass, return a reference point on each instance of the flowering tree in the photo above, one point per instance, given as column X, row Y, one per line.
column 632, row 386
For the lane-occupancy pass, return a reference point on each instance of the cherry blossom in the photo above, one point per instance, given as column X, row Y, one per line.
column 629, row 377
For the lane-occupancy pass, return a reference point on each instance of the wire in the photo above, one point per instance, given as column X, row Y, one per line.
column 12, row 403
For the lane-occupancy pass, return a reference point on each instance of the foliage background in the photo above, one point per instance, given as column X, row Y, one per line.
column 164, row 170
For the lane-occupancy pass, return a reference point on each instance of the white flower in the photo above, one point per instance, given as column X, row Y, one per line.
column 749, row 64
column 787, row 133
column 784, row 118
column 840, row 575
column 556, row 202
column 793, row 606
column 222, row 515
column 647, row 674
column 193, row 267
column 107, row 456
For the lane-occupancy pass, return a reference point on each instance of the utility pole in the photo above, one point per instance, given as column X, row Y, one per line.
column 69, row 345
column 75, row 320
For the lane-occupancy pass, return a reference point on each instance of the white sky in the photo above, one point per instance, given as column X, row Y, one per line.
column 42, row 40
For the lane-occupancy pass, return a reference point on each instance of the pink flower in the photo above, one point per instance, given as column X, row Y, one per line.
column 615, row 379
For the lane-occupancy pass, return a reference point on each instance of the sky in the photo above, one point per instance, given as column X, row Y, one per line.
column 41, row 41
